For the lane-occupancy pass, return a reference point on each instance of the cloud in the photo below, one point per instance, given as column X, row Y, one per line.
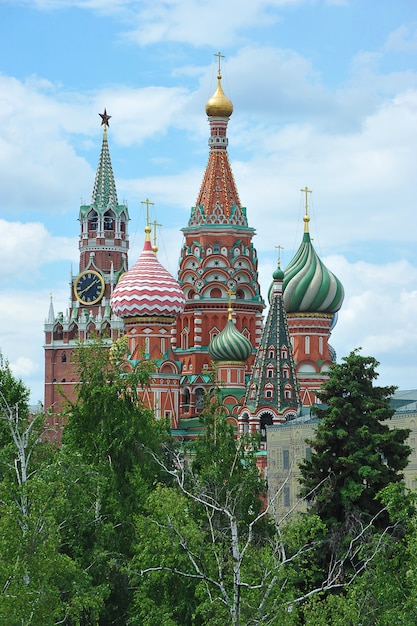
column 200, row 23
column 27, row 248
column 378, row 315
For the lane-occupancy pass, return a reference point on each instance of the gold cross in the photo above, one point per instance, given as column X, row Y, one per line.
column 279, row 248
column 306, row 190
column 155, row 224
column 230, row 292
column 219, row 56
column 147, row 202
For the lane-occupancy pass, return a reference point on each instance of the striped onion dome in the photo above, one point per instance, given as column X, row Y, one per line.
column 147, row 289
column 309, row 287
column 230, row 344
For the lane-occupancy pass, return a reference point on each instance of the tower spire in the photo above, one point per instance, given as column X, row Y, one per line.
column 104, row 191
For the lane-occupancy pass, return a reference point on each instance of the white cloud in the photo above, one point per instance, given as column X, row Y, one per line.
column 27, row 247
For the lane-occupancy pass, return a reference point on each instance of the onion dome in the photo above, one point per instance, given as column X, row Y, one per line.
column 309, row 287
column 230, row 344
column 147, row 289
column 219, row 104
column 278, row 273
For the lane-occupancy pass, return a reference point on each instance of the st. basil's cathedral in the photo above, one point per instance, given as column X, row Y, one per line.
column 207, row 319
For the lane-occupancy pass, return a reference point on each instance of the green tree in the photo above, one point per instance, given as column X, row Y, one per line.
column 38, row 584
column 354, row 452
column 107, row 432
column 209, row 551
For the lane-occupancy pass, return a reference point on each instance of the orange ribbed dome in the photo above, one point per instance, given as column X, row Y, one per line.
column 219, row 105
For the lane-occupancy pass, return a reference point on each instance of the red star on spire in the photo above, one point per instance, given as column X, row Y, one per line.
column 105, row 118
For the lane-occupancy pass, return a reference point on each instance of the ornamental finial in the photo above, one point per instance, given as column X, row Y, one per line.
column 306, row 190
column 230, row 309
column 155, row 247
column 219, row 57
column 147, row 227
column 105, row 119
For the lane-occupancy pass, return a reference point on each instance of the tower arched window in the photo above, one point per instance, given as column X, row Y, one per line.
column 63, row 357
column 108, row 221
column 321, row 345
column 307, row 344
column 184, row 339
column 92, row 221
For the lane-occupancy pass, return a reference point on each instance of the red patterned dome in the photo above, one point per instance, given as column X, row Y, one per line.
column 147, row 289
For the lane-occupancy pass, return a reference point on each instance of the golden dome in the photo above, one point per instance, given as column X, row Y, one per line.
column 219, row 105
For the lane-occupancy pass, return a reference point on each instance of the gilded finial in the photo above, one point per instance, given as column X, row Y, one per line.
column 219, row 105
column 230, row 309
column 219, row 57
column 155, row 224
column 279, row 248
column 147, row 227
column 306, row 218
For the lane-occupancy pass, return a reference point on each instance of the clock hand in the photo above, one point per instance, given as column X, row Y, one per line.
column 80, row 293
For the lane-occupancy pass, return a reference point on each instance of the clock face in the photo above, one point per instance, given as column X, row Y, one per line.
column 89, row 287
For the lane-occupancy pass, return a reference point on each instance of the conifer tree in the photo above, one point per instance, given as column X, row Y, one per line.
column 354, row 452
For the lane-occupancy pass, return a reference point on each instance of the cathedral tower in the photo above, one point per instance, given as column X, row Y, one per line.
column 217, row 256
column 272, row 393
column 149, row 300
column 312, row 297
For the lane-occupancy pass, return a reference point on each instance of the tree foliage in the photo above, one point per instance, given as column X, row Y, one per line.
column 355, row 453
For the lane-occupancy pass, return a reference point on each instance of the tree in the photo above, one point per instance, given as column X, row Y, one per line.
column 385, row 592
column 208, row 549
column 107, row 431
column 38, row 584
column 353, row 447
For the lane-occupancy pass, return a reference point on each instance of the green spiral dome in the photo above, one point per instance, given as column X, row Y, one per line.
column 230, row 345
column 309, row 287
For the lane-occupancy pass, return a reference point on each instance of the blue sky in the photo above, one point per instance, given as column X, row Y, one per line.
column 324, row 94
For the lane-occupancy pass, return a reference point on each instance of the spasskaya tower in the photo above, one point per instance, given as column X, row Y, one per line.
column 103, row 245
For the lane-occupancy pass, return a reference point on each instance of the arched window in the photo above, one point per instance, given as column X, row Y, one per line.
column 215, row 293
column 186, row 398
column 184, row 339
column 307, row 344
column 266, row 420
column 108, row 221
column 199, row 398
column 63, row 358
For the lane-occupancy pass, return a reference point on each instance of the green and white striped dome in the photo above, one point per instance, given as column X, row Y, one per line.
column 230, row 345
column 309, row 287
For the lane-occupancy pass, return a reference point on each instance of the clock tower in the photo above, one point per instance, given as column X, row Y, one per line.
column 103, row 245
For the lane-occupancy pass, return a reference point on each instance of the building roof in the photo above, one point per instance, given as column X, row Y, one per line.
column 147, row 289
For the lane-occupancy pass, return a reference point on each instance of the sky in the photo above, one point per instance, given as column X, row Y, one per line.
column 324, row 95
